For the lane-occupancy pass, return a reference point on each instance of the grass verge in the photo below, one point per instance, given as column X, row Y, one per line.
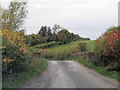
column 90, row 45
column 31, row 70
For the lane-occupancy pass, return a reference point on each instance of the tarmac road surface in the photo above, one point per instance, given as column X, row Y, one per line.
column 69, row 74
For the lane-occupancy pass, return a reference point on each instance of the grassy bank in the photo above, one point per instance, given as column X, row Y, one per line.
column 100, row 69
column 90, row 45
column 60, row 52
column 33, row 69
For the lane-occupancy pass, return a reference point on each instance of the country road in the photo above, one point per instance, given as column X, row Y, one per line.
column 69, row 74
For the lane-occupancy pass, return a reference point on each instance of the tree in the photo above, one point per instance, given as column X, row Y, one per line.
column 49, row 31
column 43, row 31
column 1, row 10
column 75, row 37
column 54, row 37
column 13, row 17
column 56, row 28
column 49, row 34
column 35, row 39
column 64, row 36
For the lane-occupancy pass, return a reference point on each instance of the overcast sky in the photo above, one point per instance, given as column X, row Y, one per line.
column 88, row 18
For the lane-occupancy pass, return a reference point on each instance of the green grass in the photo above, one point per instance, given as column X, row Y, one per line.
column 31, row 70
column 60, row 52
column 90, row 45
column 100, row 69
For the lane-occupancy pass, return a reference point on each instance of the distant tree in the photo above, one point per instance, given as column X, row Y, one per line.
column 86, row 38
column 54, row 37
column 34, row 39
column 64, row 36
column 76, row 37
column 56, row 28
column 57, row 33
column 43, row 31
column 49, row 34
column 13, row 17
column 49, row 31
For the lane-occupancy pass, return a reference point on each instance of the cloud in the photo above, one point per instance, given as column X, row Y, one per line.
column 40, row 6
column 84, row 17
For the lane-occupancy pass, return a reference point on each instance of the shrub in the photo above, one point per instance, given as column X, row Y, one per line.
column 82, row 46
column 46, row 45
column 107, row 49
column 14, row 51
column 34, row 39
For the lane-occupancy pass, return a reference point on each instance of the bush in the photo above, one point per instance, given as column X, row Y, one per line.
column 33, row 69
column 107, row 51
column 35, row 39
column 46, row 45
column 14, row 51
column 82, row 46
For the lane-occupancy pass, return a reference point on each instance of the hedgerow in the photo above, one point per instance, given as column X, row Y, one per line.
column 107, row 50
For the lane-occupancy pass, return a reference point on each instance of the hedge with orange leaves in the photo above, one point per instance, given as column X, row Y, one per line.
column 108, row 49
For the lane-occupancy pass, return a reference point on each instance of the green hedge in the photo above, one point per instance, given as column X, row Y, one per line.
column 46, row 45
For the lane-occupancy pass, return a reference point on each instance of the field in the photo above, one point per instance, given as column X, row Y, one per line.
column 61, row 52
column 90, row 45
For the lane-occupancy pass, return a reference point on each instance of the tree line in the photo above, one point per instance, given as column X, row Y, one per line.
column 56, row 33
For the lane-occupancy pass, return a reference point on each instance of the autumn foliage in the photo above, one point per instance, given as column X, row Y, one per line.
column 108, row 51
column 14, row 50
column 15, row 38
